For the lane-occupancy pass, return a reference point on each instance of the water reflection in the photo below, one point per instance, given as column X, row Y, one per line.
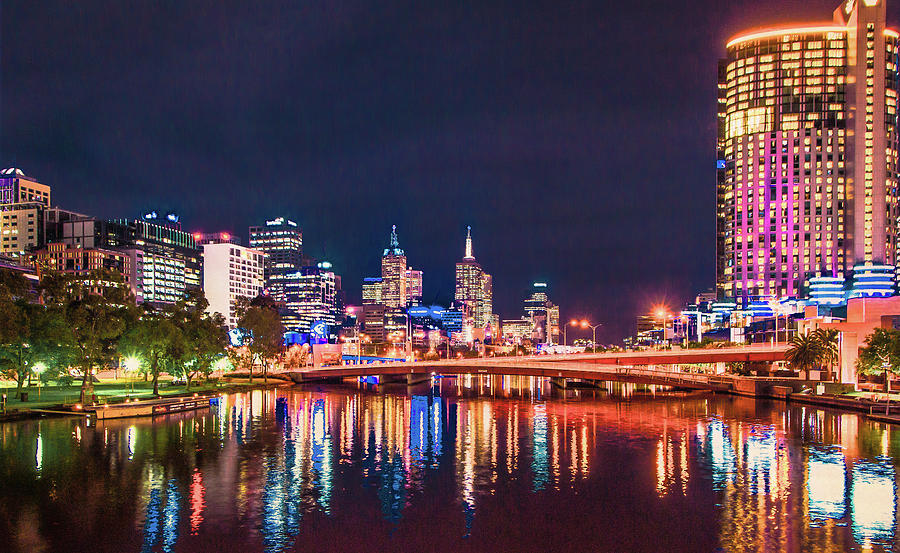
column 267, row 469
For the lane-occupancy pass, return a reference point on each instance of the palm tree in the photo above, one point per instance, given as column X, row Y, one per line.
column 829, row 340
column 805, row 352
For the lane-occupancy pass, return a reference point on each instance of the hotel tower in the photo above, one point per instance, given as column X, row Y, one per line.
column 807, row 154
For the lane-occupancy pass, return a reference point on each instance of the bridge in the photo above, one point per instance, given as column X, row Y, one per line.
column 636, row 367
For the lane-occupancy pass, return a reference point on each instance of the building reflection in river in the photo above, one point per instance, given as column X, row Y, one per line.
column 791, row 479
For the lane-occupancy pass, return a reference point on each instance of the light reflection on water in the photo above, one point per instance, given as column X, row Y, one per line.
column 270, row 470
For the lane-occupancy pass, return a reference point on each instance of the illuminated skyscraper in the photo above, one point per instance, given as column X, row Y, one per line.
column 23, row 202
column 371, row 290
column 393, row 274
column 413, row 286
column 808, row 152
column 313, row 295
column 543, row 314
column 282, row 241
column 231, row 272
column 474, row 288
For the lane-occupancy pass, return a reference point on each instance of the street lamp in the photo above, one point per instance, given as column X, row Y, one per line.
column 586, row 324
column 39, row 369
column 573, row 322
column 132, row 364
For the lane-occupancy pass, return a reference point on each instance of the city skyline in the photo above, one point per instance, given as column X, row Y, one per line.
column 616, row 225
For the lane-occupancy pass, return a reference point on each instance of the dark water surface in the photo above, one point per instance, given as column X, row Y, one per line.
column 472, row 464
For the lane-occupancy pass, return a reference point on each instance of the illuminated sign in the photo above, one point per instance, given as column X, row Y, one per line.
column 236, row 337
column 720, row 164
column 280, row 221
column 540, row 284
column 319, row 329
column 325, row 265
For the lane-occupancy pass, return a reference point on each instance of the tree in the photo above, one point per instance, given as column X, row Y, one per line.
column 829, row 342
column 261, row 324
column 14, row 330
column 881, row 355
column 156, row 339
column 805, row 352
column 31, row 335
column 205, row 337
column 97, row 308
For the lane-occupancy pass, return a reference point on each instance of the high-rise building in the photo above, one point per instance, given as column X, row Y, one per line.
column 54, row 218
column 313, row 295
column 371, row 290
column 808, row 152
column 413, row 287
column 474, row 288
column 23, row 201
column 393, row 274
column 543, row 314
column 373, row 321
column 281, row 239
column 231, row 271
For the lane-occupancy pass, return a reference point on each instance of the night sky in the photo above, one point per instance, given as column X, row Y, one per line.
column 577, row 138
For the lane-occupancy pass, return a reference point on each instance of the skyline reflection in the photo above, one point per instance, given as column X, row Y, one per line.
column 260, row 467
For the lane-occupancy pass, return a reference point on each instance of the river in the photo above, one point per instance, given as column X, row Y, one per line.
column 469, row 464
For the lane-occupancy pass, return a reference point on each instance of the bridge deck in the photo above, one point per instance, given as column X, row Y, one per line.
column 586, row 371
column 617, row 366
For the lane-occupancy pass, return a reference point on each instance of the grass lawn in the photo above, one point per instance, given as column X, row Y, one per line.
column 107, row 390
column 894, row 396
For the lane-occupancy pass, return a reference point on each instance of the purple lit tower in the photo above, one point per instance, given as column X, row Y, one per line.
column 807, row 170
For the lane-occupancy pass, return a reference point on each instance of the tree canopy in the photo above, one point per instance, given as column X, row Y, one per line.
column 881, row 355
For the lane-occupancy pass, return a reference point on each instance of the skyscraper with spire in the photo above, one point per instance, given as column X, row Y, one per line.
column 474, row 290
column 393, row 274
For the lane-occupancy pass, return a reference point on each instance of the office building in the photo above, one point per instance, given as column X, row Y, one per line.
column 165, row 261
column 231, row 271
column 452, row 321
column 66, row 258
column 393, row 274
column 23, row 201
column 413, row 287
column 372, row 322
column 54, row 217
column 474, row 288
column 543, row 313
column 313, row 295
column 281, row 239
column 216, row 238
column 516, row 331
column 371, row 290
column 808, row 153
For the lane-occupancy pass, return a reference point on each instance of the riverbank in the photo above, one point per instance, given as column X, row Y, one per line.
column 49, row 399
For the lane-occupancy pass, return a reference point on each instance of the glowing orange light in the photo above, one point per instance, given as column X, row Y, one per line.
column 226, row 236
column 197, row 236
column 573, row 322
column 584, row 323
column 767, row 33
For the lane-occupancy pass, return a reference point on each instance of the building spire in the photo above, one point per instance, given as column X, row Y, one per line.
column 469, row 243
column 394, row 247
